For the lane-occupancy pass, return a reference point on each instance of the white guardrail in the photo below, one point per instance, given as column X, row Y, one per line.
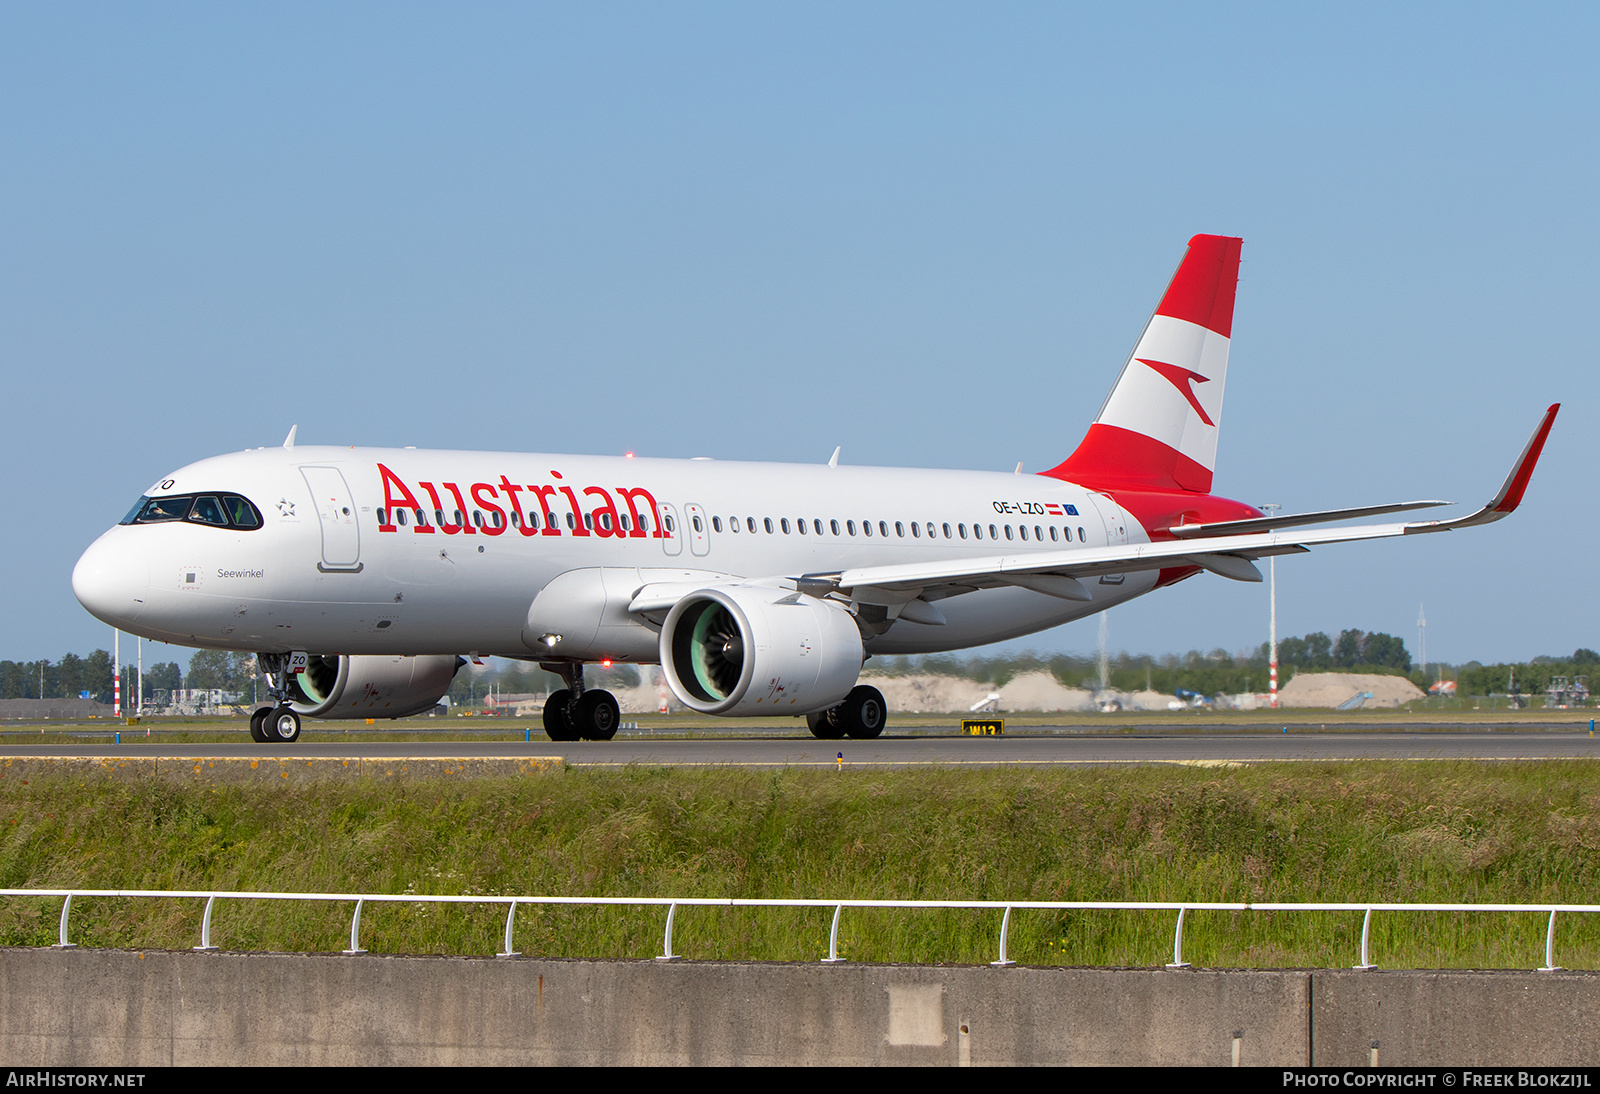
column 672, row 904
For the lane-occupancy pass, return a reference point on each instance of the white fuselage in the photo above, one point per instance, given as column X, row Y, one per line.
column 324, row 573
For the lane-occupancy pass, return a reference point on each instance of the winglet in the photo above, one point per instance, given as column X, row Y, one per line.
column 288, row 442
column 1510, row 495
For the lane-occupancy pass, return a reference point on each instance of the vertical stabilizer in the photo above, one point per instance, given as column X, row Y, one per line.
column 1158, row 427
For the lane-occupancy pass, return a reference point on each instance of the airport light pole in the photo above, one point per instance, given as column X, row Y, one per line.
column 1272, row 627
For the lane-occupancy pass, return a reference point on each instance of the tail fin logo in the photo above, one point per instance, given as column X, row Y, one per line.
column 1182, row 379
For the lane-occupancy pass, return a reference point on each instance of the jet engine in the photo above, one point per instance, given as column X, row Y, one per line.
column 371, row 686
column 745, row 650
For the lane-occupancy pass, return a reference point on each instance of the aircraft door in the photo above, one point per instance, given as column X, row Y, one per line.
column 698, row 530
column 671, row 531
column 1116, row 525
column 336, row 512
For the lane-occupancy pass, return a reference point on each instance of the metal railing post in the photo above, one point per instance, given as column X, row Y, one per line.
column 511, row 915
column 1005, row 928
column 666, row 942
column 1177, row 944
column 1366, row 928
column 833, row 957
column 1549, row 945
column 66, row 910
column 355, row 930
column 205, row 925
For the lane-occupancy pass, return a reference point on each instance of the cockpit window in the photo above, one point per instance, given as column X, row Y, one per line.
column 216, row 510
column 241, row 512
column 208, row 510
column 157, row 510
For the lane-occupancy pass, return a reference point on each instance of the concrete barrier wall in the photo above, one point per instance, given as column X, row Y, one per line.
column 132, row 1008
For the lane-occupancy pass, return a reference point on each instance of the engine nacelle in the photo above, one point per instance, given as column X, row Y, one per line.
column 371, row 685
column 745, row 650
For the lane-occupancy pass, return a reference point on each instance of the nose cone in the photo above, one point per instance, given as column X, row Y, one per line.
column 111, row 580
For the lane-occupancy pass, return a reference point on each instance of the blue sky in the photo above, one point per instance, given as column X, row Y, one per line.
column 926, row 232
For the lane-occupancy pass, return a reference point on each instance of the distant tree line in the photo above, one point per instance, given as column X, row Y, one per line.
column 72, row 675
column 1212, row 673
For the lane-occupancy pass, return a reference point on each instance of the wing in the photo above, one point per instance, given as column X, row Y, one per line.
column 1231, row 554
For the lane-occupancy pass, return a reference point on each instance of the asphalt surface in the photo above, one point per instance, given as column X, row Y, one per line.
column 910, row 747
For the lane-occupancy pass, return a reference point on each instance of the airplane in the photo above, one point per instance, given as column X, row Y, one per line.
column 359, row 577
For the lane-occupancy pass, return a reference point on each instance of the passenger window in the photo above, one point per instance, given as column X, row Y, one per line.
column 572, row 525
column 785, row 522
column 1053, row 536
column 497, row 519
column 698, row 526
column 733, row 524
column 401, row 518
column 588, row 521
column 208, row 510
column 383, row 516
column 605, row 522
column 834, row 525
column 438, row 515
column 800, row 525
column 666, row 522
column 516, row 519
column 977, row 531
column 947, row 534
column 750, row 523
column 422, row 519
column 883, row 528
column 477, row 517
column 1023, row 530
column 962, row 528
column 866, row 526
column 994, row 533
column 767, row 522
column 716, row 524
column 1081, row 537
column 916, row 531
column 850, row 526
column 1008, row 531
column 625, row 525
column 1038, row 533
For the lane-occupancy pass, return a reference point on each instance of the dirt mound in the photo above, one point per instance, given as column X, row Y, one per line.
column 1329, row 689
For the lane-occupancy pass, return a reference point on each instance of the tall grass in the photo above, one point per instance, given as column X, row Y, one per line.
column 1381, row 832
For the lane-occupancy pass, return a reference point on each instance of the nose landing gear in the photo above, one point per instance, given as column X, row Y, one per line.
column 275, row 725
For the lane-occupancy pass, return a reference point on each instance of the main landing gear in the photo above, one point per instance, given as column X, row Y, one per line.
column 573, row 714
column 861, row 716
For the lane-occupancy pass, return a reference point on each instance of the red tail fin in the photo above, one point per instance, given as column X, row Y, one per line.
column 1158, row 427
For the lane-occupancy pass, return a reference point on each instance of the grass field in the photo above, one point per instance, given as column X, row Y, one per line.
column 1382, row 832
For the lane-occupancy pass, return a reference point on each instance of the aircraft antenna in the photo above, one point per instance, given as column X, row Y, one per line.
column 833, row 460
column 288, row 442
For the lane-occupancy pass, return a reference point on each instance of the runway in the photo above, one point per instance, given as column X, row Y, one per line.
column 906, row 748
